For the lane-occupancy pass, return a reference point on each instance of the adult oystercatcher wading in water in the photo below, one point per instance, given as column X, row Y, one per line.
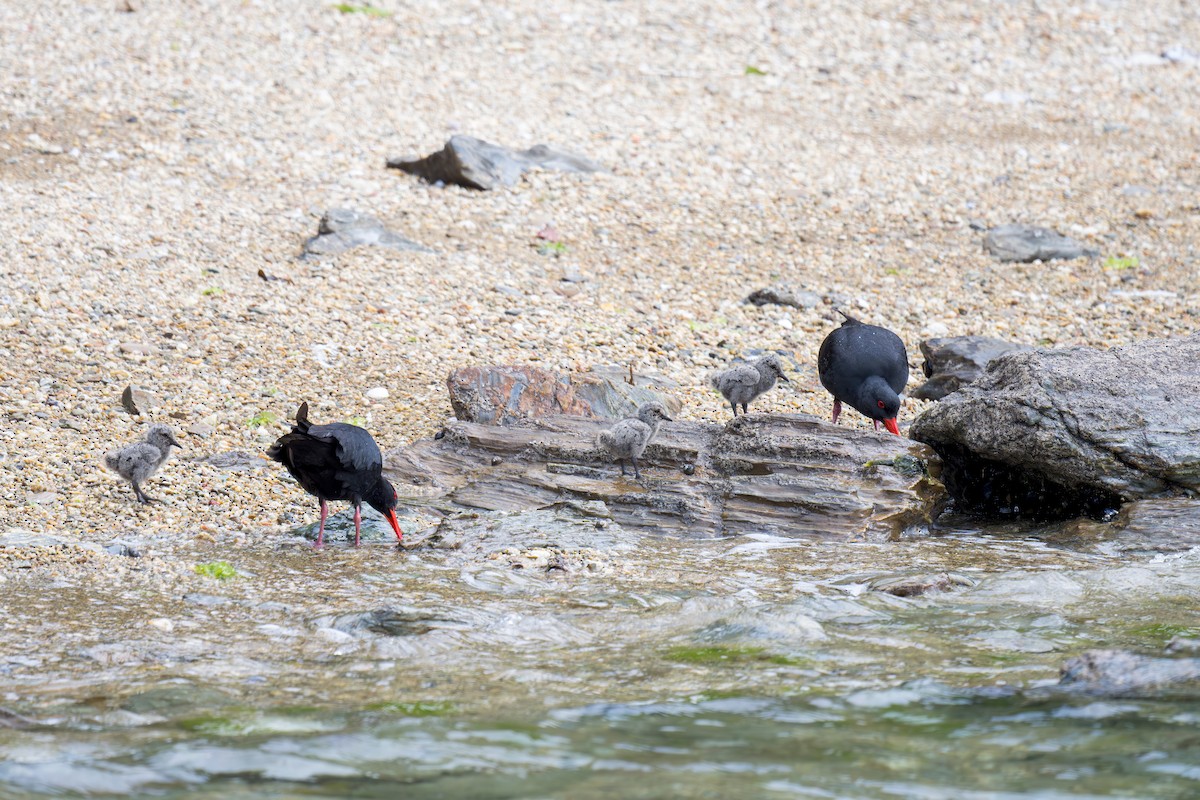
column 337, row 462
column 865, row 366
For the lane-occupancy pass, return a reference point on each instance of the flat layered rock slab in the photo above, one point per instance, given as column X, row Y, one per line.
column 761, row 473
column 509, row 393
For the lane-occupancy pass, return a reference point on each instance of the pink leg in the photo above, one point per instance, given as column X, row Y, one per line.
column 357, row 523
column 876, row 424
column 837, row 410
column 321, row 530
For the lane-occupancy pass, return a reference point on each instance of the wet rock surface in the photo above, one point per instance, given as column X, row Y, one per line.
column 342, row 229
column 1032, row 243
column 1117, row 673
column 1071, row 431
column 792, row 475
column 501, row 395
column 954, row 361
column 476, row 164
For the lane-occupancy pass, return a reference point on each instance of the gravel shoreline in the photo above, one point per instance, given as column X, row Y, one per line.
column 151, row 163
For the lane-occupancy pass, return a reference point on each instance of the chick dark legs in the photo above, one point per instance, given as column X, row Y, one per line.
column 734, row 407
column 745, row 409
column 637, row 474
column 142, row 496
column 621, row 461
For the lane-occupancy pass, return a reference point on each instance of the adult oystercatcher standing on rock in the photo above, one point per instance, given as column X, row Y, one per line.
column 867, row 367
column 337, row 462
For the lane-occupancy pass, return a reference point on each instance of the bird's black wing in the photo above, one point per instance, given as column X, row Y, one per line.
column 356, row 449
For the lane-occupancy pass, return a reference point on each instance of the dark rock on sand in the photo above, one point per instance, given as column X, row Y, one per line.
column 501, row 395
column 1057, row 433
column 476, row 164
column 954, row 361
column 786, row 475
column 1032, row 243
column 1117, row 673
column 139, row 401
column 341, row 229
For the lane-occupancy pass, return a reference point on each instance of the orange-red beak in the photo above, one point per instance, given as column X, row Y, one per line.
column 391, row 517
column 891, row 425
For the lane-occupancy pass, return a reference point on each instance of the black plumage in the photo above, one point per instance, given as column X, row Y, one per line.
column 865, row 366
column 339, row 462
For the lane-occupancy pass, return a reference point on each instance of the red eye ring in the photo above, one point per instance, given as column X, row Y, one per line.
column 879, row 403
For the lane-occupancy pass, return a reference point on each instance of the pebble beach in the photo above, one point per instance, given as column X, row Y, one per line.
column 161, row 169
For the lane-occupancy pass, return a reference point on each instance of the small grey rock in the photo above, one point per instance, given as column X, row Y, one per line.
column 200, row 430
column 1025, row 243
column 476, row 164
column 139, row 401
column 342, row 229
column 785, row 295
column 19, row 537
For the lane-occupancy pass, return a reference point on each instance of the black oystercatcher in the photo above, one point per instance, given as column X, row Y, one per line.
column 742, row 384
column 138, row 461
column 867, row 367
column 627, row 440
column 337, row 462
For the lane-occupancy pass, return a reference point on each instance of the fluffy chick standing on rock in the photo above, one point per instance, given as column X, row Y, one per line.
column 138, row 461
column 627, row 440
column 740, row 385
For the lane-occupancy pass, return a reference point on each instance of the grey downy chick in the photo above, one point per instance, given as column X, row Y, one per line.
column 742, row 384
column 627, row 440
column 138, row 461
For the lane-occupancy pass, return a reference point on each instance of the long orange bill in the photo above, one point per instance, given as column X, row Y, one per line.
column 891, row 425
column 391, row 517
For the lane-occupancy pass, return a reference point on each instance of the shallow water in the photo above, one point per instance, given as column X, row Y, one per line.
column 642, row 667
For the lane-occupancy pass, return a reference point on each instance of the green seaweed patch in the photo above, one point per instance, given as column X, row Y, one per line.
column 261, row 418
column 214, row 726
column 551, row 249
column 904, row 464
column 1165, row 632
column 213, row 291
column 219, row 570
column 1121, row 262
column 369, row 10
column 720, row 654
column 435, row 708
column 753, row 70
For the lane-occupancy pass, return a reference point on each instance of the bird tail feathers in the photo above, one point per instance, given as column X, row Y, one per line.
column 302, row 422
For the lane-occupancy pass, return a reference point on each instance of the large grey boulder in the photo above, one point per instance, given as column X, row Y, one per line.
column 1070, row 431
column 476, row 164
column 761, row 473
column 952, row 362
